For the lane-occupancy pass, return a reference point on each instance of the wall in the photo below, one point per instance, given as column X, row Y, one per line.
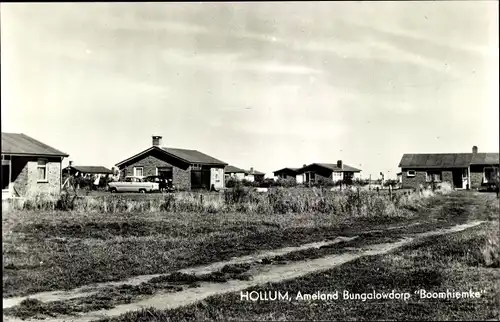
column 149, row 164
column 217, row 177
column 421, row 176
column 250, row 178
column 181, row 178
column 413, row 182
column 299, row 178
column 447, row 176
column 24, row 176
column 476, row 176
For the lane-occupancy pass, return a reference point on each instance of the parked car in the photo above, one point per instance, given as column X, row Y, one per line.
column 133, row 184
column 165, row 184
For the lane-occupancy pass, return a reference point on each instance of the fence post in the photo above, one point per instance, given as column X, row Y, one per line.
column 390, row 192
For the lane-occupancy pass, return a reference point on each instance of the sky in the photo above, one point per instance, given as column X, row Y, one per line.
column 266, row 85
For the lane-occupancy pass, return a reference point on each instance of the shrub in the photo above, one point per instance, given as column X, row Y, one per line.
column 285, row 183
column 324, row 182
column 236, row 194
column 491, row 249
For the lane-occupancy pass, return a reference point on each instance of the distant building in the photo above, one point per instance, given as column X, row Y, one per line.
column 86, row 170
column 254, row 175
column 234, row 172
column 330, row 171
column 29, row 166
column 461, row 170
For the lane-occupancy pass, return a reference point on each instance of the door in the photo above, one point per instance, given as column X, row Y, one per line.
column 5, row 174
column 205, row 178
column 457, row 176
column 465, row 178
column 196, row 181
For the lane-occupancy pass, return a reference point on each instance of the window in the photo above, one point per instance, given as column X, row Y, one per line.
column 138, row 171
column 411, row 173
column 433, row 176
column 42, row 170
column 489, row 174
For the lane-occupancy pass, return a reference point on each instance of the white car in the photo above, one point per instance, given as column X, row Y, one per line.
column 133, row 184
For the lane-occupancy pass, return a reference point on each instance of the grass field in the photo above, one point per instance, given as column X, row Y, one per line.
column 454, row 263
column 50, row 250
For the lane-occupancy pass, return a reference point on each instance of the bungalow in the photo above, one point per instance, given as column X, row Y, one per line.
column 234, row 172
column 338, row 172
column 254, row 175
column 461, row 170
column 85, row 170
column 188, row 169
column 29, row 166
column 286, row 173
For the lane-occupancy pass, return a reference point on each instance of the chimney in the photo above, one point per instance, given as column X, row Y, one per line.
column 251, row 170
column 70, row 163
column 305, row 165
column 474, row 149
column 339, row 164
column 156, row 140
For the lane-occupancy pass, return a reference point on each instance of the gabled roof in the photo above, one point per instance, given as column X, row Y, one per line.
column 90, row 169
column 185, row 155
column 333, row 167
column 21, row 144
column 233, row 169
column 447, row 160
column 193, row 156
column 254, row 172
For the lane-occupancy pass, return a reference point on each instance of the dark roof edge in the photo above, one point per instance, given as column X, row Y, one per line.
column 62, row 154
column 286, row 168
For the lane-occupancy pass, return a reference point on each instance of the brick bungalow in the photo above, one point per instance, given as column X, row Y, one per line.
column 328, row 171
column 461, row 170
column 29, row 166
column 188, row 169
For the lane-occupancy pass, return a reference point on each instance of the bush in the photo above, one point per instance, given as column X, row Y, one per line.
column 286, row 183
column 237, row 194
column 391, row 182
column 491, row 249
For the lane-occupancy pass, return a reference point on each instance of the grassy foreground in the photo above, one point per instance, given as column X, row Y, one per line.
column 459, row 262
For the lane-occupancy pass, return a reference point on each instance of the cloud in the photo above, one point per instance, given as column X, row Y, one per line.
column 387, row 29
column 234, row 62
